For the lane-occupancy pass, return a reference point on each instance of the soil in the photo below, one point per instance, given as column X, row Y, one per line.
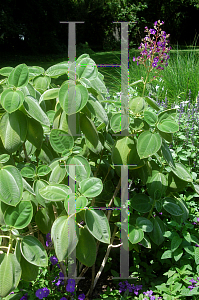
column 103, row 283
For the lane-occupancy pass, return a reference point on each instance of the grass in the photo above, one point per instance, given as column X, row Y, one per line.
column 181, row 75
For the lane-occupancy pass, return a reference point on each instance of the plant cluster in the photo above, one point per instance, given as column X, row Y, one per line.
column 56, row 182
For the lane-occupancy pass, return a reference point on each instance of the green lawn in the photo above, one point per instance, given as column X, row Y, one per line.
column 180, row 75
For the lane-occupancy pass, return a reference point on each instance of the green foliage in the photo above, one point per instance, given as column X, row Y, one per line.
column 49, row 159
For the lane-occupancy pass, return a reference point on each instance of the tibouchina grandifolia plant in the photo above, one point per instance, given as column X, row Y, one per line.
column 154, row 51
column 37, row 174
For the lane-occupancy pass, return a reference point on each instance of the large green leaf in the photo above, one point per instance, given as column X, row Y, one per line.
column 82, row 169
column 97, row 84
column 99, row 145
column 33, row 251
column 144, row 224
column 117, row 121
column 11, row 185
column 20, row 216
column 28, row 90
column 91, row 187
column 41, row 83
column 150, row 117
column 66, row 125
column 49, row 94
column 58, row 69
column 158, row 231
column 181, row 172
column 86, row 248
column 55, row 192
column 97, row 225
column 141, row 203
column 11, row 100
column 97, row 109
column 172, row 207
column 86, row 68
column 65, row 236
column 124, row 152
column 6, row 71
column 35, row 71
column 35, row 133
column 72, row 203
column 33, row 108
column 44, row 219
column 58, row 172
column 28, row 172
column 137, row 104
column 46, row 154
column 157, row 185
column 88, row 128
column 152, row 103
column 27, row 187
column 10, row 273
column 167, row 154
column 169, row 114
column 197, row 256
column 29, row 271
column 19, row 76
column 135, row 235
column 61, row 140
column 43, row 170
column 148, row 144
column 72, row 97
column 38, row 184
column 13, row 130
column 168, row 126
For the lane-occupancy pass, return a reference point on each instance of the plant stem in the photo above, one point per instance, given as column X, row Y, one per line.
column 103, row 262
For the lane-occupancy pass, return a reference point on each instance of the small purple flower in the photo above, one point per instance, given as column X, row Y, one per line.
column 81, row 296
column 46, row 292
column 53, row 260
column 152, row 31
column 63, row 298
column 39, row 294
column 48, row 240
column 155, row 23
column 148, row 293
column 154, row 64
column 71, row 281
column 193, row 281
column 70, row 288
column 121, row 287
column 61, row 276
column 25, row 297
column 58, row 282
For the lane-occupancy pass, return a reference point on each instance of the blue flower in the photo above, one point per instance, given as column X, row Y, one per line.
column 71, row 282
column 70, row 288
column 25, row 297
column 42, row 293
column 53, row 260
column 81, row 296
column 46, row 292
column 63, row 298
column 39, row 294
